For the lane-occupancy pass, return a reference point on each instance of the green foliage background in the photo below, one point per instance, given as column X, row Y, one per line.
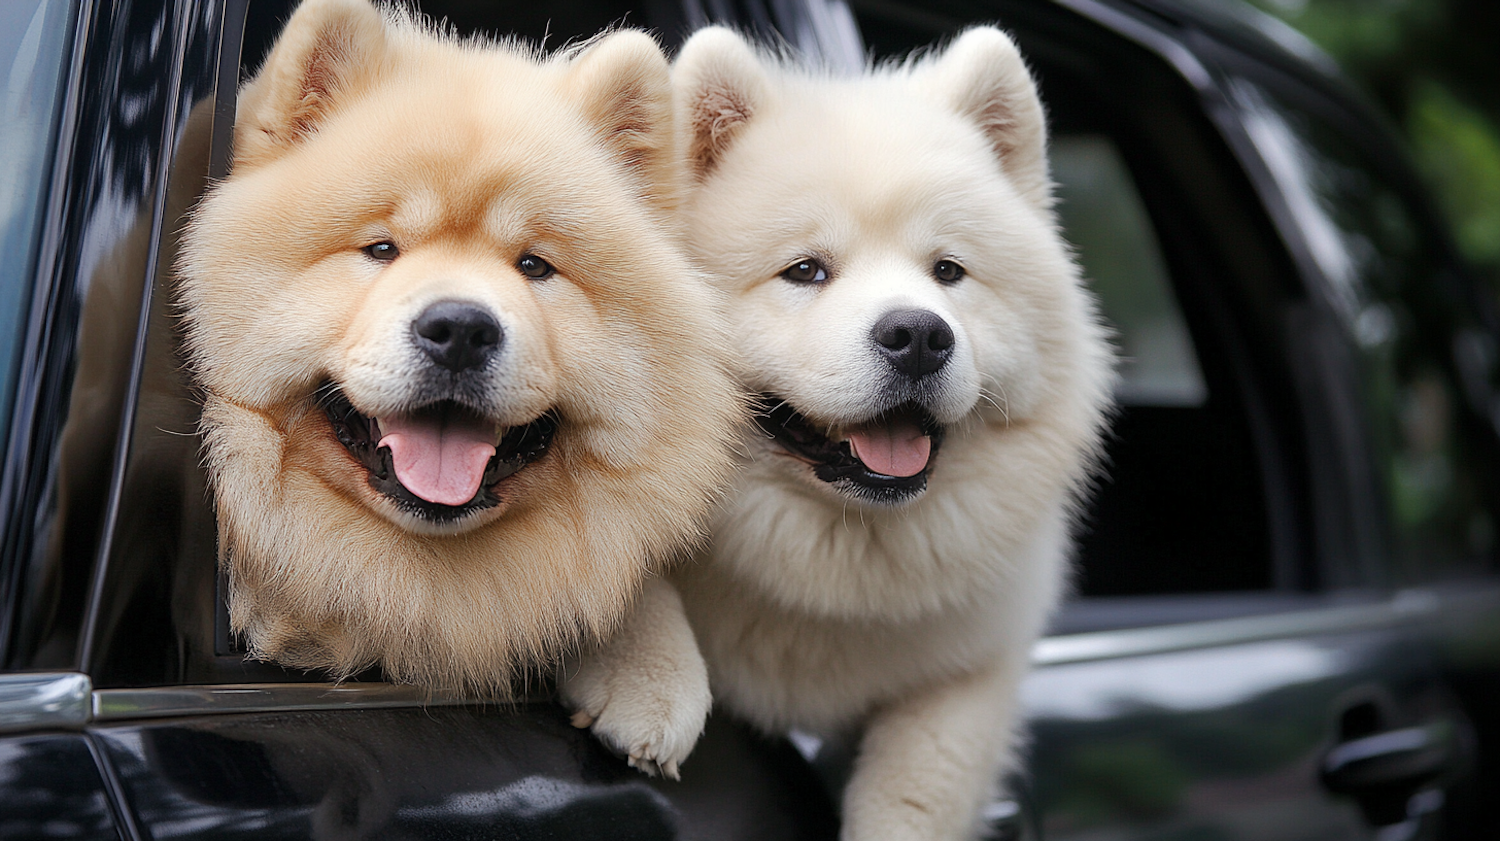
column 1435, row 66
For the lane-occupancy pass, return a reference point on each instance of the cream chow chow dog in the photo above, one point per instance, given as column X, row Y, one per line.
column 934, row 381
column 462, row 390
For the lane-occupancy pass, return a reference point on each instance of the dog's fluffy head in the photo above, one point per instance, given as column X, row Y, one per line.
column 902, row 299
column 462, row 391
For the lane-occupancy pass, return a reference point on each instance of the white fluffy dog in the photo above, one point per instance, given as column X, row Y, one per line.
column 934, row 381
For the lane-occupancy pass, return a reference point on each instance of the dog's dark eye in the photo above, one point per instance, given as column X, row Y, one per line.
column 805, row 271
column 534, row 267
column 383, row 251
column 947, row 271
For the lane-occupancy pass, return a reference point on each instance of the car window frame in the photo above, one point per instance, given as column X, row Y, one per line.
column 1344, row 110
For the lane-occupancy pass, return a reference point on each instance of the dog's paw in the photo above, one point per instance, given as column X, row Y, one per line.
column 644, row 693
column 645, row 705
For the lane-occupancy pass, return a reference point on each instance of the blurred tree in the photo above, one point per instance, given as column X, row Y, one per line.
column 1435, row 66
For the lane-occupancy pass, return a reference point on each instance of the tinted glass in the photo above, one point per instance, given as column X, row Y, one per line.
column 1173, row 513
column 1415, row 328
column 34, row 38
column 1102, row 213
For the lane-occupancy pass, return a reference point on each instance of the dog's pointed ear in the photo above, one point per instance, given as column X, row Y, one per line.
column 720, row 84
column 984, row 78
column 625, row 89
column 330, row 49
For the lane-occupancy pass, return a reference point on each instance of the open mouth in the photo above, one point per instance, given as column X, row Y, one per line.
column 440, row 462
column 885, row 460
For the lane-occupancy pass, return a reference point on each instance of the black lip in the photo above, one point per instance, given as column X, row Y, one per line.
column 835, row 463
column 520, row 446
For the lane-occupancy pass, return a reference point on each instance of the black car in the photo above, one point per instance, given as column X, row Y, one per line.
column 1286, row 621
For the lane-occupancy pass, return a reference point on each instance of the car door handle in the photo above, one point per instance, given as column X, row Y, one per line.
column 1391, row 760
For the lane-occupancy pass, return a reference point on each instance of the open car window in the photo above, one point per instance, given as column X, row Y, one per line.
column 165, row 621
column 1178, row 509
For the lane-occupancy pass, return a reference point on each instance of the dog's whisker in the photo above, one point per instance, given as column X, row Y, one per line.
column 999, row 401
column 325, row 390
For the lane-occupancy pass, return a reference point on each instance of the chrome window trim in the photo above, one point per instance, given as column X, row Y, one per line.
column 171, row 701
column 44, row 700
column 33, row 701
column 1404, row 607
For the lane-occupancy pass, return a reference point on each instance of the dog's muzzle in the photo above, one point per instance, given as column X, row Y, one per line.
column 441, row 462
column 884, row 460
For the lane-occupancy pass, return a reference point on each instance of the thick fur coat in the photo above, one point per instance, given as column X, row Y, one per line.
column 935, row 381
column 462, row 391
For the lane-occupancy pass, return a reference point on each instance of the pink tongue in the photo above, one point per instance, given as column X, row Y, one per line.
column 441, row 460
column 895, row 448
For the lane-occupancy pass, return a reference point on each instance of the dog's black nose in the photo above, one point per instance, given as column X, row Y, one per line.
column 915, row 342
column 457, row 335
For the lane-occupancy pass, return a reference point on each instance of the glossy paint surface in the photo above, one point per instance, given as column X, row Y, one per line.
column 450, row 773
column 50, row 788
column 1223, row 742
column 72, row 395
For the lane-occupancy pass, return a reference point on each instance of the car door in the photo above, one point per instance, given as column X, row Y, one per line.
column 1244, row 658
